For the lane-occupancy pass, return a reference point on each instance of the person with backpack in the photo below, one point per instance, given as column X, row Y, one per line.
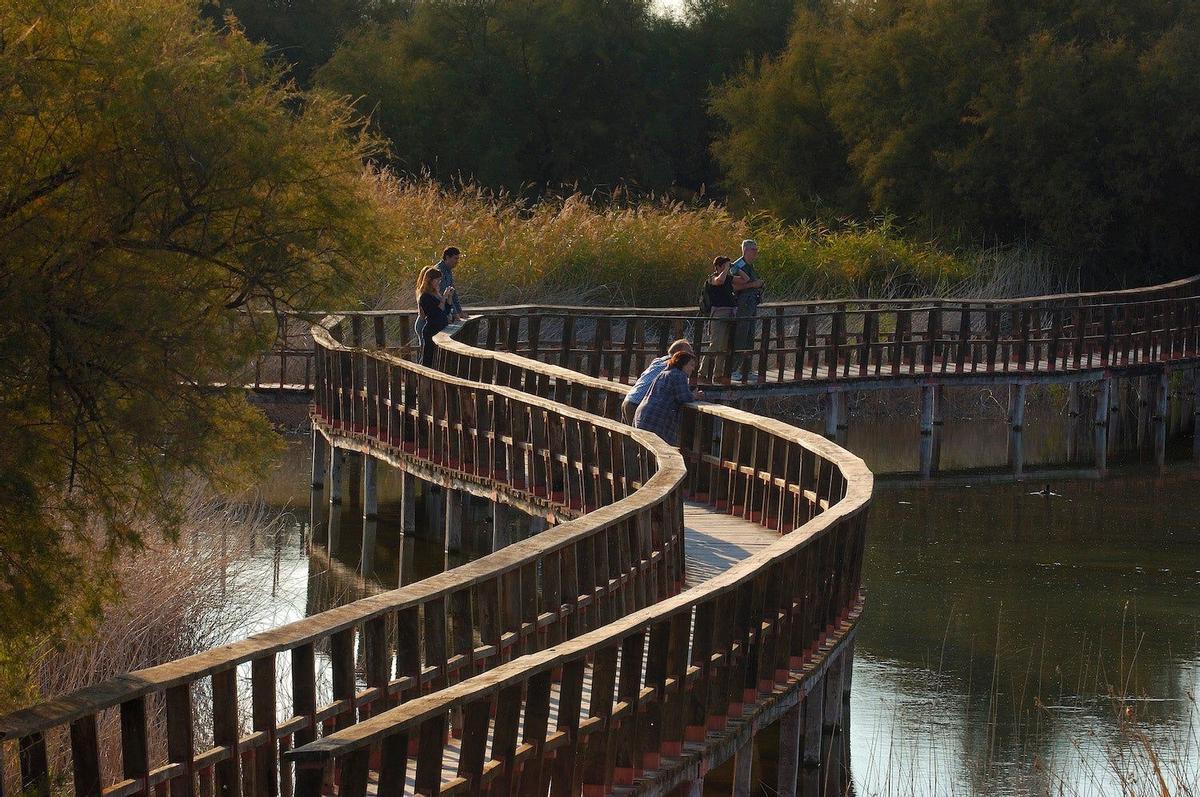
column 718, row 301
column 749, row 291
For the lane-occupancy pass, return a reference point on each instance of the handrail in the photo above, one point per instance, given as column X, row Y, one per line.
column 632, row 512
column 766, row 616
column 812, row 343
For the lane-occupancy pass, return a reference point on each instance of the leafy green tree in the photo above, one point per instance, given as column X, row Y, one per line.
column 162, row 191
column 553, row 92
column 1072, row 124
column 780, row 149
column 304, row 33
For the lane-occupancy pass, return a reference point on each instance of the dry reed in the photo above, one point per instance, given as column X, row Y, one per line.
column 582, row 249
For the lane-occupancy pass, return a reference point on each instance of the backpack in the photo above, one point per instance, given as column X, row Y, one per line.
column 705, row 303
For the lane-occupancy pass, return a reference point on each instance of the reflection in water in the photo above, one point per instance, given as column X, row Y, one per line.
column 1011, row 643
column 1010, row 639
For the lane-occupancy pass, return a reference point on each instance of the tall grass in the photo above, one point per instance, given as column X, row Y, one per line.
column 170, row 602
column 586, row 249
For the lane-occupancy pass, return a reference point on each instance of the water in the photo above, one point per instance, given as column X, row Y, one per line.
column 1002, row 629
column 1012, row 644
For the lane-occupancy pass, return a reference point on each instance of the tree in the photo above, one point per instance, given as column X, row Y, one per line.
column 304, row 33
column 590, row 93
column 160, row 187
column 1071, row 124
column 781, row 151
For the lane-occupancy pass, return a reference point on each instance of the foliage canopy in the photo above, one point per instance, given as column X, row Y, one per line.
column 162, row 190
column 1074, row 124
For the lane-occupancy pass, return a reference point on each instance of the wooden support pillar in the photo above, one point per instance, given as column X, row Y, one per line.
column 1196, row 414
column 454, row 519
column 847, row 672
column 837, row 422
column 320, row 457
column 814, row 719
column 1016, row 421
column 1074, row 409
column 1162, row 403
column 928, row 413
column 370, row 487
column 537, row 525
column 317, row 516
column 1116, row 405
column 408, row 503
column 406, row 570
column 502, row 536
column 833, row 694
column 1145, row 387
column 831, row 419
column 791, row 731
column 435, row 510
column 1100, row 418
column 843, row 417
column 335, row 526
column 354, row 463
column 743, row 769
column 366, row 559
column 694, row 788
column 335, row 475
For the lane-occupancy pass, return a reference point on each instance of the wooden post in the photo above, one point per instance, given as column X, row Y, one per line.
column 435, row 509
column 1074, row 410
column 1016, row 420
column 836, row 422
column 694, row 788
column 316, row 518
column 847, row 676
column 1162, row 399
column 1196, row 414
column 370, row 489
column 743, row 769
column 1146, row 385
column 354, row 461
column 814, row 719
column 501, row 525
column 928, row 404
column 843, row 426
column 833, row 693
column 366, row 560
column 406, row 568
column 1115, row 412
column 791, row 731
column 1100, row 418
column 454, row 519
column 335, row 475
column 320, row 456
column 335, row 527
column 408, row 504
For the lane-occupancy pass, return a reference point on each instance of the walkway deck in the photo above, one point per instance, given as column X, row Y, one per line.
column 715, row 541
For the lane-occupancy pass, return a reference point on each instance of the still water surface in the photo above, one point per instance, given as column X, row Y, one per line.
column 1012, row 643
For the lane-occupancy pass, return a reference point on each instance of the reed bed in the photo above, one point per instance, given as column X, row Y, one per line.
column 588, row 249
column 173, row 598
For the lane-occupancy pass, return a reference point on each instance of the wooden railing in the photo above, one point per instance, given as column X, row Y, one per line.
column 838, row 342
column 769, row 616
column 190, row 727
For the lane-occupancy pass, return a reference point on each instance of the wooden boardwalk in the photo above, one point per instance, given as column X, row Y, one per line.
column 713, row 542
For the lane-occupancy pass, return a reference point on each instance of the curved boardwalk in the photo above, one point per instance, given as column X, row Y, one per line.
column 678, row 602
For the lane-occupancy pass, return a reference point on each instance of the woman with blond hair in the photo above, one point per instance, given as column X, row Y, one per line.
column 432, row 311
